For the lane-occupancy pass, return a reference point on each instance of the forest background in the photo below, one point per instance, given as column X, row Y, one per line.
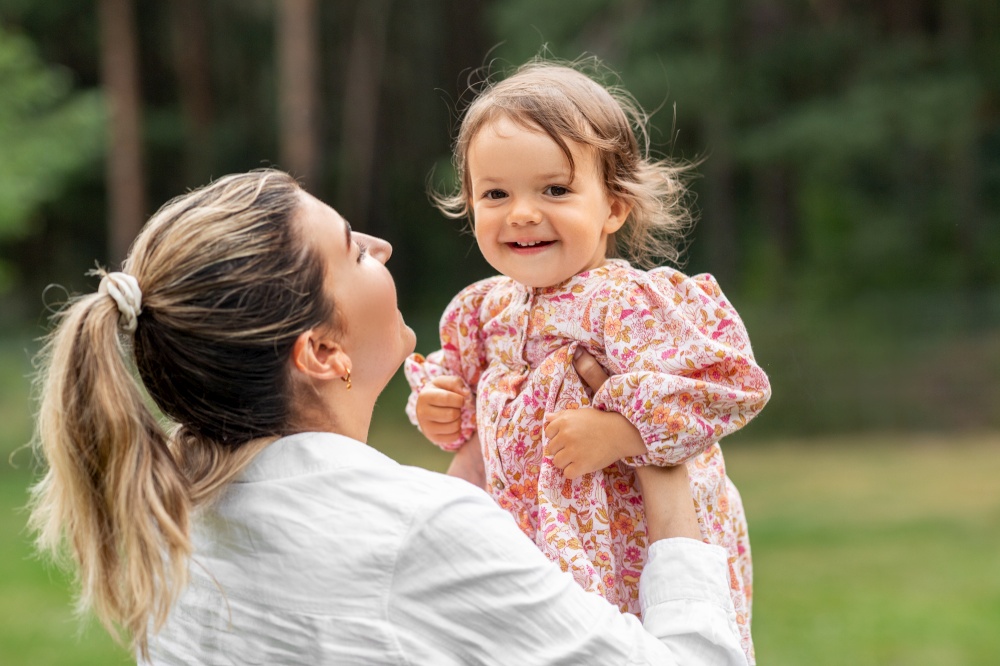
column 848, row 197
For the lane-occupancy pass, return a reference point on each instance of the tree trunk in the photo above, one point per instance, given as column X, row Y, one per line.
column 192, row 63
column 361, row 107
column 298, row 65
column 125, row 172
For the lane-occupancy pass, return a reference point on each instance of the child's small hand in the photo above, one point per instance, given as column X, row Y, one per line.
column 439, row 409
column 586, row 440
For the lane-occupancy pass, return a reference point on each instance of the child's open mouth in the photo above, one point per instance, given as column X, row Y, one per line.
column 529, row 245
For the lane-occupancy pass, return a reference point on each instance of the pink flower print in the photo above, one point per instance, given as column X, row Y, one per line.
column 720, row 329
column 630, row 576
column 632, row 554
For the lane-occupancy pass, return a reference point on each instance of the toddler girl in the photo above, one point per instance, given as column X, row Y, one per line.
column 554, row 179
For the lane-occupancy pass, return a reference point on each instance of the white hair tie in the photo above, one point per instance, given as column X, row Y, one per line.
column 125, row 290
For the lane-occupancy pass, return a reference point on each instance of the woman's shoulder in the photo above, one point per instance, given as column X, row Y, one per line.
column 315, row 511
column 325, row 468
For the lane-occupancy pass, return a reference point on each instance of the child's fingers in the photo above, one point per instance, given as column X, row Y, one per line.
column 435, row 414
column 442, row 433
column 552, row 427
column 433, row 396
column 451, row 383
column 439, row 431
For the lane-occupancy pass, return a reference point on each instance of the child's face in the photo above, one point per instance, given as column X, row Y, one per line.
column 532, row 222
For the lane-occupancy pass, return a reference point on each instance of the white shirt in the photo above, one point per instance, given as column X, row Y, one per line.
column 328, row 552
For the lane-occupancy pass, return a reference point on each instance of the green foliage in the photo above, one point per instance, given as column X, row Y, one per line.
column 877, row 123
column 47, row 131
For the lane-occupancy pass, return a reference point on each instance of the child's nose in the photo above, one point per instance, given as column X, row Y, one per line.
column 524, row 212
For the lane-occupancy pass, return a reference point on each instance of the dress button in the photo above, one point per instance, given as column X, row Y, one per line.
column 498, row 484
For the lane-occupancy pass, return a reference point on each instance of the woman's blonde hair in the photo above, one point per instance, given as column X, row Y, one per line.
column 228, row 284
column 570, row 106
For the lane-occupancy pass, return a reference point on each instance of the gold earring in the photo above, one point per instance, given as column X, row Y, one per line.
column 347, row 380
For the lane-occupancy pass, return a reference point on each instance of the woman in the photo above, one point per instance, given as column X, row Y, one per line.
column 260, row 528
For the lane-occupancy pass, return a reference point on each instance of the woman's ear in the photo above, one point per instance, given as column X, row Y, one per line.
column 319, row 356
column 618, row 213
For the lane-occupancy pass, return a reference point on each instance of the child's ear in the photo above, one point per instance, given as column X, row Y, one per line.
column 317, row 355
column 618, row 213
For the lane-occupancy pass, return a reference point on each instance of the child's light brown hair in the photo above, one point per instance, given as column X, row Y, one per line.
column 570, row 106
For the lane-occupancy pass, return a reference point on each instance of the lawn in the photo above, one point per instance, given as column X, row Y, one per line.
column 875, row 549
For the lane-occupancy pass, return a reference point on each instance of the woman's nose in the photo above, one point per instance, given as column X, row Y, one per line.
column 378, row 248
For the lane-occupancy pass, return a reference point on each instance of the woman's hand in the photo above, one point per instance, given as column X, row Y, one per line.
column 439, row 409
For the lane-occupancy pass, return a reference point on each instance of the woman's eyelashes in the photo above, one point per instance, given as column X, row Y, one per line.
column 362, row 251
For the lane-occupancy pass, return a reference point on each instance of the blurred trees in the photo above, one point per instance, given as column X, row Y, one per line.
column 849, row 193
column 849, row 146
column 47, row 132
column 126, row 174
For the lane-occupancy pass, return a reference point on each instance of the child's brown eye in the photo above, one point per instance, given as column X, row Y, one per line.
column 558, row 190
column 495, row 194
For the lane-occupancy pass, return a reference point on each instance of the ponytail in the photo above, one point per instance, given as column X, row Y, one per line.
column 113, row 499
column 228, row 284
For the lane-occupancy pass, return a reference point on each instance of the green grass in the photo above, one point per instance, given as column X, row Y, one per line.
column 877, row 549
column 874, row 550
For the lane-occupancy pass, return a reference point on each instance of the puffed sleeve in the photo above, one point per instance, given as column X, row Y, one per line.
column 682, row 368
column 470, row 588
column 462, row 354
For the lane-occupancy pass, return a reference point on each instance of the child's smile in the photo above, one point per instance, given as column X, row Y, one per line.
column 535, row 220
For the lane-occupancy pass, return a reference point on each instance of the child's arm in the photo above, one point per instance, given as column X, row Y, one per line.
column 585, row 440
column 683, row 372
column 442, row 398
column 581, row 441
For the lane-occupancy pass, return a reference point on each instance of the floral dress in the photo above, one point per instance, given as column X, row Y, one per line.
column 682, row 371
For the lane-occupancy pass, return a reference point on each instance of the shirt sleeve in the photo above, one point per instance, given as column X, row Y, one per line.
column 470, row 588
column 683, row 371
column 462, row 354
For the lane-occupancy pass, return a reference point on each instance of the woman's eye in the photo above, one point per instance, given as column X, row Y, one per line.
column 494, row 194
column 362, row 251
column 557, row 190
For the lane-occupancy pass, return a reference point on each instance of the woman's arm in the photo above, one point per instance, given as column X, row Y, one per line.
column 467, row 463
column 470, row 588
